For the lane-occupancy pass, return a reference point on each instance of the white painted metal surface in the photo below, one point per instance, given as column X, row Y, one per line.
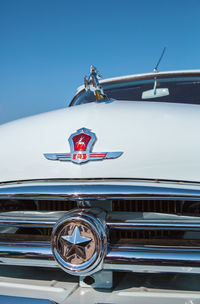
column 129, row 288
column 158, row 140
column 35, row 284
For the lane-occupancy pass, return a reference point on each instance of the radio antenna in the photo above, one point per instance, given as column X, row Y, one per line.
column 161, row 56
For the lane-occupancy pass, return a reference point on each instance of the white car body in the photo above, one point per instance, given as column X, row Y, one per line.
column 152, row 137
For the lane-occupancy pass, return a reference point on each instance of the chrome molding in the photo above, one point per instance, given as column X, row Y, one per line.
column 43, row 219
column 94, row 191
column 25, row 250
column 152, row 256
column 118, row 257
column 151, row 221
column 155, row 226
column 114, row 220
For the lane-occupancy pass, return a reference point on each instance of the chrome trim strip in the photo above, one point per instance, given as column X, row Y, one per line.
column 154, row 226
column 27, row 223
column 119, row 257
column 114, row 220
column 150, row 225
column 152, row 256
column 151, row 221
column 154, row 181
column 43, row 219
column 77, row 192
column 32, row 250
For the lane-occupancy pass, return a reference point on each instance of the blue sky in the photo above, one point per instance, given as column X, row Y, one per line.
column 47, row 46
column 19, row 300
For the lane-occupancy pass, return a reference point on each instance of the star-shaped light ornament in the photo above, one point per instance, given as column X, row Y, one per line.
column 76, row 243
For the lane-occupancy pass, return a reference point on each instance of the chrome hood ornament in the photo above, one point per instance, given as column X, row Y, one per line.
column 92, row 84
column 79, row 242
column 81, row 143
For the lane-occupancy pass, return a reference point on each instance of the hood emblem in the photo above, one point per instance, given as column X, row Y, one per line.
column 81, row 144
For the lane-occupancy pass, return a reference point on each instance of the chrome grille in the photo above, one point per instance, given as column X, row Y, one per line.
column 160, row 206
column 155, row 206
column 46, row 205
column 138, row 236
column 143, row 224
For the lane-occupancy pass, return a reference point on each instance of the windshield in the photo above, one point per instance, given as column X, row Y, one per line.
column 179, row 90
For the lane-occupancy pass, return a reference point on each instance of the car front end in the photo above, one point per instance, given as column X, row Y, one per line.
column 100, row 202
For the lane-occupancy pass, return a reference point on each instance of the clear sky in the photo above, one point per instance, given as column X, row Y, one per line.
column 47, row 46
column 19, row 300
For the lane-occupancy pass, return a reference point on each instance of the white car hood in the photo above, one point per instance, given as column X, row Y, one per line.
column 158, row 141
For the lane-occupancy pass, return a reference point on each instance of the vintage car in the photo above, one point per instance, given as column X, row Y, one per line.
column 100, row 201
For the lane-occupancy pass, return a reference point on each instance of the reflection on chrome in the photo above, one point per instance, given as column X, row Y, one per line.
column 118, row 257
column 95, row 191
column 121, row 254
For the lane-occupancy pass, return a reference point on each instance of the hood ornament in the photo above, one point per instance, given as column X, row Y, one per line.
column 81, row 143
column 92, row 84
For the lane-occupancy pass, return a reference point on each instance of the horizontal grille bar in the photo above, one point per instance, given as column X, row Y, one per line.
column 103, row 191
column 151, row 221
column 115, row 220
column 37, row 250
column 119, row 257
column 149, row 255
column 41, row 219
column 155, row 226
column 150, row 225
